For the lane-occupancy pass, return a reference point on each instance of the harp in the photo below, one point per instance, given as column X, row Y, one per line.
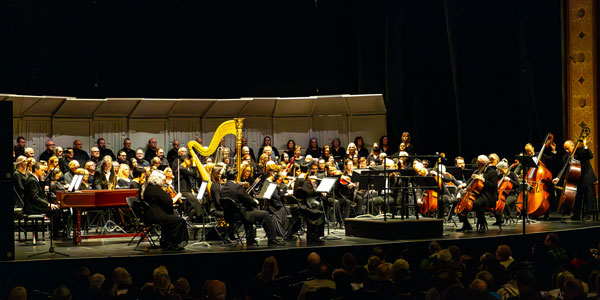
column 228, row 127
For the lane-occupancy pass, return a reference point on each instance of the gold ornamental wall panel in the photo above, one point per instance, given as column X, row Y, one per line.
column 581, row 70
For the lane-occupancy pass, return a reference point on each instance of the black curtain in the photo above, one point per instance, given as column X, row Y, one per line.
column 463, row 76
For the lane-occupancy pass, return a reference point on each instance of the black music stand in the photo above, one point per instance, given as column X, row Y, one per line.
column 406, row 175
column 326, row 186
column 205, row 217
column 371, row 180
column 527, row 162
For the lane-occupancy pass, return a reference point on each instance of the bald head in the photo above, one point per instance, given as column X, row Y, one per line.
column 529, row 150
column 313, row 259
column 569, row 146
column 482, row 160
column 216, row 290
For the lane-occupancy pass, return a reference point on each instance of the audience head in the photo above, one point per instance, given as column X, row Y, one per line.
column 503, row 253
column 61, row 293
column 270, row 268
column 182, row 287
column 348, row 262
column 96, row 281
column 215, row 290
column 373, row 262
column 161, row 280
column 313, row 260
column 400, row 265
column 122, row 277
column 573, row 289
column 552, row 240
column 478, row 286
column 17, row 293
column 108, row 289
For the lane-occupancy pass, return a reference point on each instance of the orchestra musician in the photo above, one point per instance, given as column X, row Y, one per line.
column 58, row 152
column 174, row 234
column 298, row 154
column 106, row 178
column 275, row 205
column 251, row 214
column 123, row 181
column 348, row 188
column 90, row 166
column 308, row 207
column 447, row 197
column 513, row 195
column 20, row 176
column 486, row 198
column 187, row 173
column 585, row 184
column 73, row 166
column 35, row 201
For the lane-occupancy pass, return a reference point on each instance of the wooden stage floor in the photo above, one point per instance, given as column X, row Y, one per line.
column 117, row 247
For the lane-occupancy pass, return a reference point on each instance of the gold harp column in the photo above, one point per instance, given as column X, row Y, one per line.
column 581, row 70
column 239, row 124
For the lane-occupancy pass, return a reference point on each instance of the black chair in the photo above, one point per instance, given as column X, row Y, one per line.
column 295, row 216
column 233, row 215
column 145, row 222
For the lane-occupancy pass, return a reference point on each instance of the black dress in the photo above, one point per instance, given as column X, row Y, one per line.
column 173, row 228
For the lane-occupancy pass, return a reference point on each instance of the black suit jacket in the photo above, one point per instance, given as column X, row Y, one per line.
column 587, row 177
column 108, row 152
column 237, row 193
column 35, row 197
column 490, row 186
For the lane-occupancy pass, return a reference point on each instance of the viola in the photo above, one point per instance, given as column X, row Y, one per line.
column 539, row 179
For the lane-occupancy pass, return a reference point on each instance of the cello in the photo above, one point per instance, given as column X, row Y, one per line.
column 504, row 188
column 429, row 202
column 465, row 204
column 572, row 174
column 539, row 189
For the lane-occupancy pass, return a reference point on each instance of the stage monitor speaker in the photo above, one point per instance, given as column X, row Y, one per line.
column 7, row 243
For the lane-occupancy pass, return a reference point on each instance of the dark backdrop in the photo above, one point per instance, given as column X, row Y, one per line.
column 463, row 76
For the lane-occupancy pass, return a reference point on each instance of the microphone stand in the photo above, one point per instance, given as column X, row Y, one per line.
column 51, row 250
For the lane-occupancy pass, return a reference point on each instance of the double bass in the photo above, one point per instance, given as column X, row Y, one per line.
column 538, row 179
column 572, row 174
column 465, row 204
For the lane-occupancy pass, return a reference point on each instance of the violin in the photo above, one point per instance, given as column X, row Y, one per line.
column 176, row 197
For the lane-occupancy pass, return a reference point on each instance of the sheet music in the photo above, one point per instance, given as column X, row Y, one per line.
column 75, row 183
column 202, row 190
column 326, row 185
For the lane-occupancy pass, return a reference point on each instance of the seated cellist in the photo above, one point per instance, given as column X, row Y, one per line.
column 487, row 196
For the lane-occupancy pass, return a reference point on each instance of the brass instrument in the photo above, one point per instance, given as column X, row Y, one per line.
column 228, row 127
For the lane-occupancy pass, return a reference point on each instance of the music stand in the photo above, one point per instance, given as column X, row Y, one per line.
column 406, row 175
column 326, row 186
column 196, row 203
column 527, row 162
column 75, row 183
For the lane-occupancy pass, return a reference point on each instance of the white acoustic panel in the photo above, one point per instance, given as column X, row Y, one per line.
column 66, row 131
column 112, row 131
column 184, row 130
column 36, row 133
column 327, row 128
column 371, row 128
column 295, row 128
column 255, row 129
column 141, row 130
